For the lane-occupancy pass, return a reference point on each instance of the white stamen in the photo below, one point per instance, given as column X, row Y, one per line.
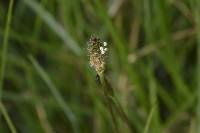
column 101, row 48
column 104, row 43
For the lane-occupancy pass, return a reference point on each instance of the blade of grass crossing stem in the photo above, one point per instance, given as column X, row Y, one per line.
column 153, row 99
column 5, row 45
column 55, row 26
column 148, row 123
column 196, row 7
column 68, row 112
column 7, row 118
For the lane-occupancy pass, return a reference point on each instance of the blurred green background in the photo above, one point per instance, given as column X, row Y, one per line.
column 48, row 86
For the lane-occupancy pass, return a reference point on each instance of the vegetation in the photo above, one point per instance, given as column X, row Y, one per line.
column 152, row 66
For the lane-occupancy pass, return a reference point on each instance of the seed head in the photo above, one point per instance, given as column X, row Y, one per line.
column 97, row 54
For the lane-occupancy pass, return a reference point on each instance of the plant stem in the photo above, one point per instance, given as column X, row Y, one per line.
column 113, row 103
column 108, row 103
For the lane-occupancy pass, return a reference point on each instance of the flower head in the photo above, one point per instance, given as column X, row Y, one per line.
column 97, row 54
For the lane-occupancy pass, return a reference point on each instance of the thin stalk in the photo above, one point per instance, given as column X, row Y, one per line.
column 7, row 118
column 108, row 103
column 58, row 97
column 196, row 6
column 112, row 101
column 5, row 45
column 3, row 64
column 148, row 123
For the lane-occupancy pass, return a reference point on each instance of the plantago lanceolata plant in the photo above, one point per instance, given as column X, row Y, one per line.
column 98, row 52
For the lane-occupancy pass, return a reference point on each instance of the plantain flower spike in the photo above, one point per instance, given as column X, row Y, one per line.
column 97, row 54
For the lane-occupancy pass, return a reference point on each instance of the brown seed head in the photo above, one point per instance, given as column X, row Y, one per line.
column 97, row 54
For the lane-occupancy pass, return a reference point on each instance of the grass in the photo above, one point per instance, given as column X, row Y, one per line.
column 5, row 46
column 7, row 118
column 196, row 10
column 3, row 65
column 47, row 85
column 69, row 114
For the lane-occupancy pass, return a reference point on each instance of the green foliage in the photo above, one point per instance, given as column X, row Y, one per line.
column 47, row 85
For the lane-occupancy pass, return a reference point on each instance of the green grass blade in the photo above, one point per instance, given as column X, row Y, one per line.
column 7, row 118
column 5, row 45
column 3, row 64
column 68, row 112
column 54, row 25
column 148, row 123
column 196, row 11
